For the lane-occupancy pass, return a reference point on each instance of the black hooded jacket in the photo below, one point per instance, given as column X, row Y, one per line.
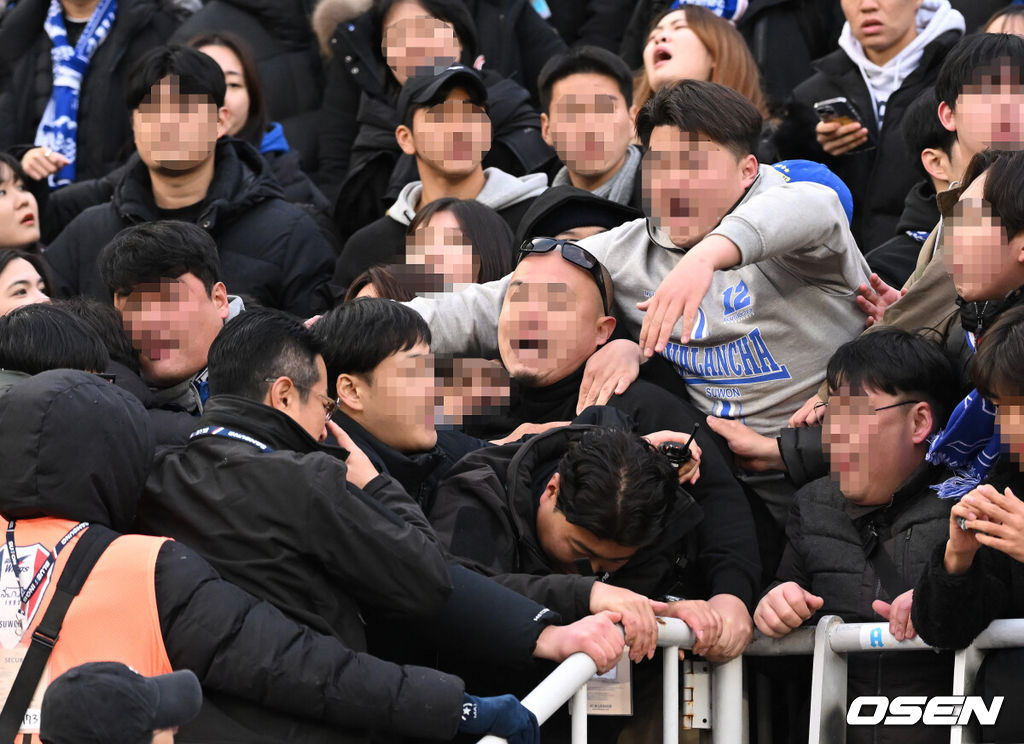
column 880, row 178
column 895, row 259
column 74, row 446
column 104, row 122
column 727, row 558
column 270, row 251
column 485, row 514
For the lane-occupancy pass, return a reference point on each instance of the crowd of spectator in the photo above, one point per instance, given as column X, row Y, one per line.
column 361, row 360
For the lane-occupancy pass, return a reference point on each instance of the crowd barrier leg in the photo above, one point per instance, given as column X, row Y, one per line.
column 670, row 694
column 728, row 703
column 763, row 696
column 828, row 688
column 965, row 670
column 579, row 716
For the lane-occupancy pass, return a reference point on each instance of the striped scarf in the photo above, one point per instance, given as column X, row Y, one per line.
column 58, row 129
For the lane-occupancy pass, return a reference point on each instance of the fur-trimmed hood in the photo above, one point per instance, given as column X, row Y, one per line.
column 329, row 13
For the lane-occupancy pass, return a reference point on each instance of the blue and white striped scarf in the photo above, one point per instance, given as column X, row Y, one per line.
column 58, row 129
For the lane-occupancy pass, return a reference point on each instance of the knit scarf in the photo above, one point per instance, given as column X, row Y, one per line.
column 618, row 188
column 58, row 129
column 968, row 445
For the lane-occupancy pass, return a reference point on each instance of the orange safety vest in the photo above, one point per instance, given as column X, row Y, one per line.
column 114, row 618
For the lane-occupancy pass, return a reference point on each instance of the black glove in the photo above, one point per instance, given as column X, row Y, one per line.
column 502, row 716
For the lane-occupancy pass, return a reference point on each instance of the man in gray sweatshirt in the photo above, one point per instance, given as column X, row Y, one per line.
column 763, row 271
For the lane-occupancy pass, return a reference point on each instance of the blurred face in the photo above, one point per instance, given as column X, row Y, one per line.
column 673, row 52
column 398, row 400
column 19, row 214
column 692, row 183
column 452, row 137
column 440, row 248
column 416, row 43
column 173, row 323
column 1010, row 426
column 984, row 264
column 589, row 125
column 871, row 452
column 551, row 320
column 175, row 133
column 236, row 98
column 20, row 284
column 989, row 113
column 164, row 736
column 565, row 543
column 477, row 387
column 883, row 27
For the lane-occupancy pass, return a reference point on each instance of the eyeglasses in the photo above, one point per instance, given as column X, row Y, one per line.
column 330, row 406
column 575, row 255
column 824, row 405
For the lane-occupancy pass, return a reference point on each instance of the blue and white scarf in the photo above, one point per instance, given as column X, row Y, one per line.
column 968, row 445
column 58, row 129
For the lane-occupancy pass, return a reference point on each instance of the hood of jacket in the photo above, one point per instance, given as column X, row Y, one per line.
column 73, row 446
column 329, row 13
column 500, row 190
column 242, row 178
column 934, row 18
column 920, row 209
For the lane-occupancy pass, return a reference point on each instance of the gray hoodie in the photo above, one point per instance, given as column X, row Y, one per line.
column 934, row 18
column 765, row 329
column 500, row 190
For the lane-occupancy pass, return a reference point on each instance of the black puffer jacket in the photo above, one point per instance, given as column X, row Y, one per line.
column 104, row 122
column 486, row 515
column 282, row 42
column 319, row 548
column 880, row 178
column 269, row 250
column 265, row 678
column 826, row 557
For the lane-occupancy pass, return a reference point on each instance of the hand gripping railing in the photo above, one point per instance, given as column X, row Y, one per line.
column 569, row 680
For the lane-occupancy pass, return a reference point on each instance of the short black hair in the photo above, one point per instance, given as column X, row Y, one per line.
column 580, row 60
column 894, row 361
column 921, row 129
column 454, row 12
column 357, row 336
column 104, row 323
column 1004, row 185
column 996, row 368
column 260, row 345
column 616, row 485
column 726, row 117
column 975, row 57
column 35, row 338
column 151, row 251
column 197, row 74
column 487, row 232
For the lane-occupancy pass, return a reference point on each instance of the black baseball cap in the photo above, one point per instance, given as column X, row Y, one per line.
column 426, row 90
column 106, row 702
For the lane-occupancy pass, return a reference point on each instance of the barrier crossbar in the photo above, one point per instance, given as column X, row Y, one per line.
column 828, row 642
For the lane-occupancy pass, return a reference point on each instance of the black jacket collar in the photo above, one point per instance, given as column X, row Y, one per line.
column 241, row 179
column 268, row 425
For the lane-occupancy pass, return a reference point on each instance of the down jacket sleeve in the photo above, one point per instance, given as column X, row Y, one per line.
column 243, row 646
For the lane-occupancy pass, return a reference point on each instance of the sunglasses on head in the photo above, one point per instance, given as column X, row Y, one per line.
column 575, row 255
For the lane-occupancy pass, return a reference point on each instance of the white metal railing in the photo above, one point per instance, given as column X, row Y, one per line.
column 828, row 642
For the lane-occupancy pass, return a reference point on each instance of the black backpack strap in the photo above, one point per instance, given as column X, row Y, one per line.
column 885, row 569
column 87, row 551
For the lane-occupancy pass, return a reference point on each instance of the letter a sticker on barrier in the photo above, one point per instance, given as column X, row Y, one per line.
column 872, row 637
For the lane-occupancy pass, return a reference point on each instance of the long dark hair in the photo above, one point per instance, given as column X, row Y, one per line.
column 454, row 12
column 258, row 119
column 487, row 232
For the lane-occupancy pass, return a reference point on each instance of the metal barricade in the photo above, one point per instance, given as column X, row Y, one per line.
column 829, row 643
